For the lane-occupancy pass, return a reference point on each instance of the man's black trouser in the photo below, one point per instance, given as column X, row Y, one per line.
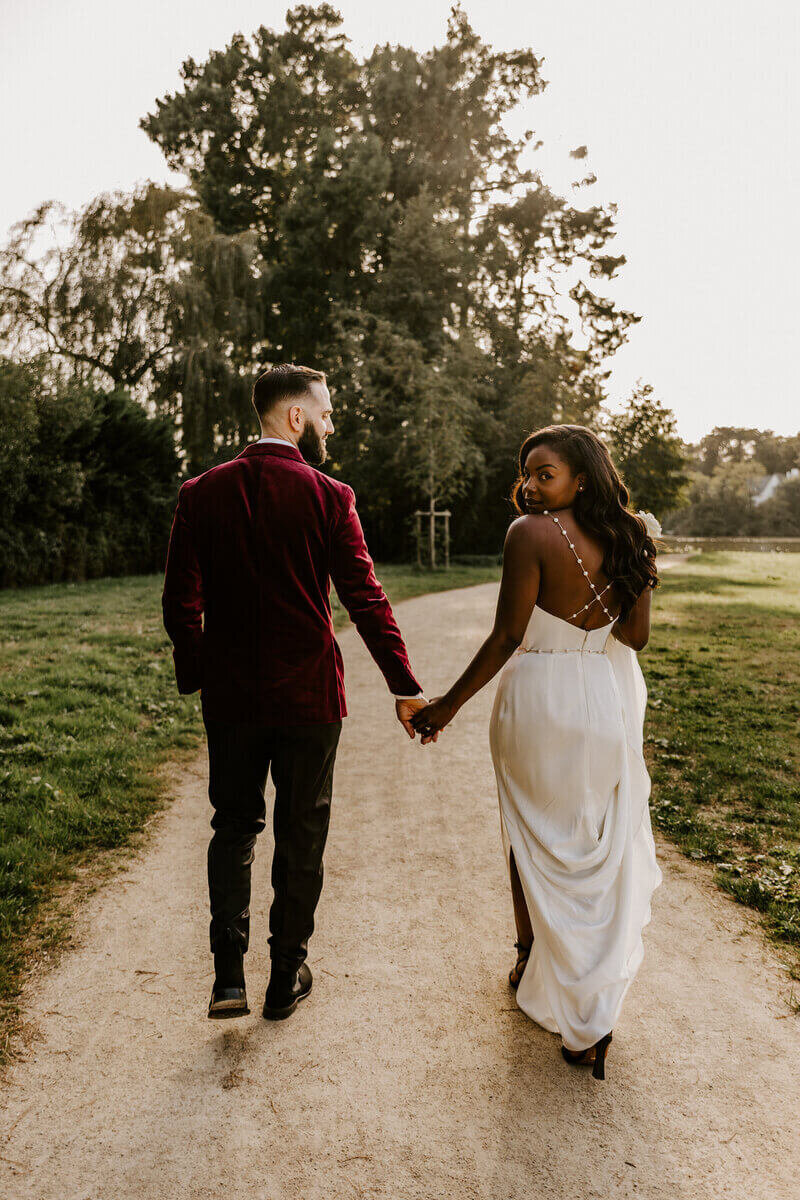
column 240, row 757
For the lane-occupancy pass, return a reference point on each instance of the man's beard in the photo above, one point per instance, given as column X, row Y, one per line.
column 312, row 446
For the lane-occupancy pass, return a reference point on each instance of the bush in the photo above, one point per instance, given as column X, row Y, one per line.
column 87, row 481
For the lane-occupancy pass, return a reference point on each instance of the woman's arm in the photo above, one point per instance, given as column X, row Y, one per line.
column 519, row 588
column 634, row 631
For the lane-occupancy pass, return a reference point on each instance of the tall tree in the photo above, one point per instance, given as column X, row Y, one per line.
column 91, row 288
column 405, row 385
column 139, row 291
column 215, row 320
column 648, row 452
column 269, row 132
column 287, row 137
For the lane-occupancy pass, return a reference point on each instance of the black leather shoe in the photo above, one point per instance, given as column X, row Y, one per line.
column 228, row 998
column 284, row 992
column 228, row 1002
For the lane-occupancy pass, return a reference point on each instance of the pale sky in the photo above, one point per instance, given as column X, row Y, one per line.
column 689, row 111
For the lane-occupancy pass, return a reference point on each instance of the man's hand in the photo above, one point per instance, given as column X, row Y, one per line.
column 430, row 722
column 405, row 710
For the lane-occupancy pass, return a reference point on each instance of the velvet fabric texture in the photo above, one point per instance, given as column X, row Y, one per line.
column 254, row 546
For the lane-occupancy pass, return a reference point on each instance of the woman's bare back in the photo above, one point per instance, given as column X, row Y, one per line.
column 563, row 589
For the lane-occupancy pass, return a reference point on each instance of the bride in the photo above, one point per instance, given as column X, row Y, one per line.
column 566, row 736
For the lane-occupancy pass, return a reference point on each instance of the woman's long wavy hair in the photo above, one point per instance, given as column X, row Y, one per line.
column 629, row 553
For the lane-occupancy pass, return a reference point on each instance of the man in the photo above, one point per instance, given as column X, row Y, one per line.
column 254, row 545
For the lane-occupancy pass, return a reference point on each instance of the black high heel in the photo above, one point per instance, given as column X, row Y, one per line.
column 581, row 1057
column 523, row 954
column 600, row 1048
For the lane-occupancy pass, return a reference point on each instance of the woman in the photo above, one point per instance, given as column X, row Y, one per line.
column 566, row 736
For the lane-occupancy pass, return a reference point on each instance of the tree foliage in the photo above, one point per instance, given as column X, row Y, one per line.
column 140, row 292
column 97, row 296
column 648, row 452
column 733, row 444
column 729, row 468
column 371, row 216
column 780, row 515
column 399, row 239
column 87, row 480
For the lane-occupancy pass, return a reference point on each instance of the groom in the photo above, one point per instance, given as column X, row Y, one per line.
column 254, row 545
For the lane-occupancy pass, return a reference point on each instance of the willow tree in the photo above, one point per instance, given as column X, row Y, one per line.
column 139, row 291
column 215, row 320
column 91, row 288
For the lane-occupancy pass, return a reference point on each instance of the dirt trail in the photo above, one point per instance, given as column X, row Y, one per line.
column 408, row 1073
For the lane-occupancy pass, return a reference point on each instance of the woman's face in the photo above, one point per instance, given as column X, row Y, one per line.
column 548, row 481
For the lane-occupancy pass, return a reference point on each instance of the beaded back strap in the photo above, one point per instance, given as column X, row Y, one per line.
column 597, row 595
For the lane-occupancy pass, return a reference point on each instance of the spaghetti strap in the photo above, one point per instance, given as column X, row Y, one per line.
column 598, row 596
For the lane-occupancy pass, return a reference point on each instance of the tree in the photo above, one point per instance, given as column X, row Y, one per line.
column 96, row 297
column 405, row 389
column 648, row 452
column 780, row 515
column 140, row 292
column 779, row 455
column 720, row 505
column 729, row 443
column 370, row 216
column 215, row 319
column 41, row 482
column 731, row 465
column 327, row 162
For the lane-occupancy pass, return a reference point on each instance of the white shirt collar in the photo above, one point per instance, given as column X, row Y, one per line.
column 286, row 441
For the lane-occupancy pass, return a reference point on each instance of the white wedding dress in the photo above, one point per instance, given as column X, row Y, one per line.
column 566, row 743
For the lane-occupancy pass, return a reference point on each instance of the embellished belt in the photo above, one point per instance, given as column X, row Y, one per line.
column 536, row 650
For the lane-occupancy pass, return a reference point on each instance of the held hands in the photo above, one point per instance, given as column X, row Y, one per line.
column 431, row 718
column 406, row 710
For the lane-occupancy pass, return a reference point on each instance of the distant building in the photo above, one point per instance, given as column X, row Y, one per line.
column 765, row 487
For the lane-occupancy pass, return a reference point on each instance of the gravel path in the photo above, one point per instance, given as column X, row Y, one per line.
column 409, row 1072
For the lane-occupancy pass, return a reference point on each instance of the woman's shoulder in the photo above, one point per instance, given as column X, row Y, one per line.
column 531, row 531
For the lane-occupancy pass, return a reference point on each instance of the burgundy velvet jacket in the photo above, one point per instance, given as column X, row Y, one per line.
column 254, row 545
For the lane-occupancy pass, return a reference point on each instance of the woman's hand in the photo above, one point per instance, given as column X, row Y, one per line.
column 431, row 720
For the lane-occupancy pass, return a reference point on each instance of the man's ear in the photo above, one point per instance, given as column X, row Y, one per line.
column 296, row 417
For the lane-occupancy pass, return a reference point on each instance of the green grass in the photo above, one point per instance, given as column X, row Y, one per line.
column 88, row 711
column 721, row 733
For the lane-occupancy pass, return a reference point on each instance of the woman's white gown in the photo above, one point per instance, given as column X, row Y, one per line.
column 566, row 742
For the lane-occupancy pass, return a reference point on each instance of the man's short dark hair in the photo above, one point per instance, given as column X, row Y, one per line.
column 283, row 382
